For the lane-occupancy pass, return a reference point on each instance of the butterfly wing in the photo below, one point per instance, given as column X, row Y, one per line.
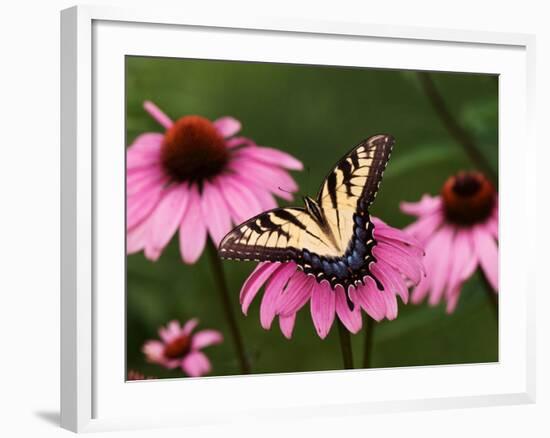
column 278, row 235
column 352, row 185
column 336, row 245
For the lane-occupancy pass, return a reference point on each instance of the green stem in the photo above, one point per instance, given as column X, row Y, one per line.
column 461, row 135
column 219, row 276
column 345, row 345
column 493, row 297
column 367, row 349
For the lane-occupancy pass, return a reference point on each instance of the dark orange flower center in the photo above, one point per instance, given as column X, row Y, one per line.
column 193, row 150
column 468, row 198
column 178, row 347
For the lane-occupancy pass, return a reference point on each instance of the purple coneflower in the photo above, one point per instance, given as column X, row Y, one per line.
column 459, row 230
column 179, row 347
column 288, row 289
column 198, row 177
column 136, row 375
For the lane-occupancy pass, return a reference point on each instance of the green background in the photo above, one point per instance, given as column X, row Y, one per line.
column 317, row 114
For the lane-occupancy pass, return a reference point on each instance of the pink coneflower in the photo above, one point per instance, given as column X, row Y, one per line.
column 198, row 177
column 459, row 229
column 179, row 347
column 288, row 289
column 136, row 375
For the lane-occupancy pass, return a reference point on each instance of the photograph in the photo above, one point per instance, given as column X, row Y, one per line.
column 290, row 218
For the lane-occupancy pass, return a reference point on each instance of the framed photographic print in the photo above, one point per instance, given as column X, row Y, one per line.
column 256, row 208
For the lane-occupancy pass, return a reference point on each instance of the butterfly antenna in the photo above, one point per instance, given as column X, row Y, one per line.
column 307, row 169
column 284, row 190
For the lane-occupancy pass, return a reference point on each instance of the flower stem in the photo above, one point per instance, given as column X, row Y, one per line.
column 219, row 276
column 345, row 345
column 367, row 349
column 493, row 297
column 461, row 135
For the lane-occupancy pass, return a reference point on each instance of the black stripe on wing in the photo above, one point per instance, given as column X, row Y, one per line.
column 241, row 242
column 371, row 155
column 379, row 148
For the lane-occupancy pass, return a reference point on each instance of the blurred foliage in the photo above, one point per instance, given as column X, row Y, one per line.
column 317, row 114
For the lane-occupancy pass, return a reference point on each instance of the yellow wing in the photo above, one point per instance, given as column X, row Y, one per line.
column 352, row 186
column 281, row 234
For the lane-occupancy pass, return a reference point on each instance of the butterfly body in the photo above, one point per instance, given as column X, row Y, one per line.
column 349, row 267
column 332, row 238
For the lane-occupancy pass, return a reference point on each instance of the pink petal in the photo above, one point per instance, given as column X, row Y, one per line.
column 272, row 178
column 370, row 299
column 205, row 338
column 424, row 227
column 487, row 251
column 168, row 214
column 144, row 151
column 215, row 212
column 463, row 253
column 144, row 180
column 391, row 280
column 441, row 264
column 137, row 174
column 151, row 252
column 166, row 334
column 227, row 126
column 136, row 237
column 189, row 326
column 391, row 303
column 254, row 282
column 421, row 290
column 396, row 237
column 273, row 290
column 271, row 156
column 158, row 114
column 170, row 363
column 149, row 142
column 413, row 253
column 426, row 205
column 322, row 306
column 154, row 351
column 411, row 267
column 236, row 142
column 265, row 198
column 240, row 200
column 350, row 318
column 286, row 324
column 175, row 329
column 454, row 293
column 452, row 301
column 434, row 257
column 141, row 205
column 296, row 294
column 492, row 227
column 192, row 230
column 196, row 364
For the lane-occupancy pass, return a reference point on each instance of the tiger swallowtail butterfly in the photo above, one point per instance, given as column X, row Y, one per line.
column 331, row 238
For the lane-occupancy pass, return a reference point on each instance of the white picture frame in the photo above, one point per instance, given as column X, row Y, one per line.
column 94, row 396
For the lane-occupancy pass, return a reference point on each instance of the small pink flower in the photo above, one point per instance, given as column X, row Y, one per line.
column 460, row 232
column 198, row 177
column 179, row 347
column 136, row 375
column 288, row 289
